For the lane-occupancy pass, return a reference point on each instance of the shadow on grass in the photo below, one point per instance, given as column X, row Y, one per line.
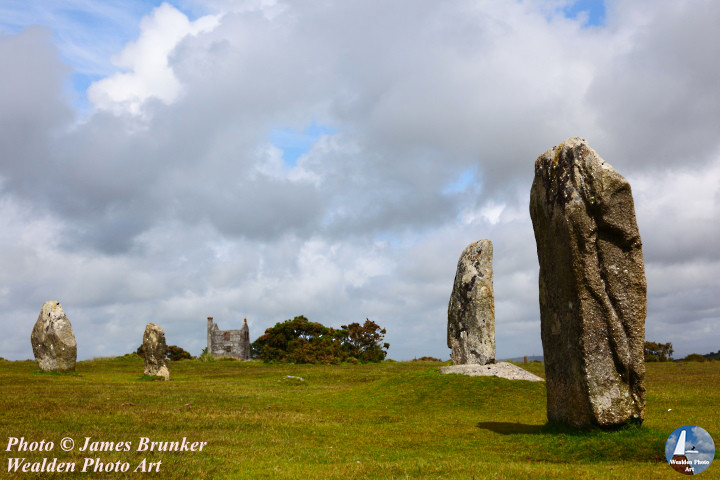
column 56, row 373
column 151, row 378
column 631, row 442
column 628, row 443
column 507, row 428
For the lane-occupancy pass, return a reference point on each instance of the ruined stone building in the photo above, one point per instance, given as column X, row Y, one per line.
column 228, row 343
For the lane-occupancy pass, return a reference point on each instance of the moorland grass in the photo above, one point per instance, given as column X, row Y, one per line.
column 389, row 420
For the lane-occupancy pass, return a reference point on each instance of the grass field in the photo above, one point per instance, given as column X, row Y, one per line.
column 389, row 420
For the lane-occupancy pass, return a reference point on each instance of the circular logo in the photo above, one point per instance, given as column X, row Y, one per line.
column 690, row 450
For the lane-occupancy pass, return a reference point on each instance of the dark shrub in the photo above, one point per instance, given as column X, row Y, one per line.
column 365, row 342
column 302, row 341
column 174, row 353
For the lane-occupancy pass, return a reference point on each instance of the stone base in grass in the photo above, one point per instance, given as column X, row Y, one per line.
column 499, row 369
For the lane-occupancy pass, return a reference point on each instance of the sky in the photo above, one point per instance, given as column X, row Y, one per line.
column 263, row 159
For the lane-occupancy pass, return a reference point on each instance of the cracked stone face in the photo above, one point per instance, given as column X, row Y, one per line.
column 471, row 312
column 53, row 340
column 155, row 351
column 592, row 288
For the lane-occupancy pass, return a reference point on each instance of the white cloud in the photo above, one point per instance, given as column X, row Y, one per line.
column 148, row 72
column 188, row 211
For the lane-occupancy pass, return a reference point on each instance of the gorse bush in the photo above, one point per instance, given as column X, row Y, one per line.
column 302, row 341
column 365, row 342
column 176, row 353
column 299, row 341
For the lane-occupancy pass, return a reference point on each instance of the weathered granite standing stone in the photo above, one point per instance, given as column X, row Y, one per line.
column 155, row 351
column 592, row 288
column 53, row 340
column 471, row 312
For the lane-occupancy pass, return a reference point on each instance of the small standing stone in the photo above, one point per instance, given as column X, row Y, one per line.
column 592, row 288
column 155, row 351
column 471, row 312
column 53, row 340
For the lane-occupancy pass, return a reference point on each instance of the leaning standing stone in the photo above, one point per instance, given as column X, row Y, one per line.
column 155, row 352
column 592, row 288
column 471, row 312
column 53, row 340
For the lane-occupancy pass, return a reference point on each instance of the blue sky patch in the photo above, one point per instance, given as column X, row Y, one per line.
column 296, row 143
column 595, row 9
column 464, row 180
column 78, row 85
column 86, row 33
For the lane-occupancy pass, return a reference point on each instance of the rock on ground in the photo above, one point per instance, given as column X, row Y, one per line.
column 499, row 369
column 592, row 288
column 471, row 311
column 53, row 340
column 155, row 351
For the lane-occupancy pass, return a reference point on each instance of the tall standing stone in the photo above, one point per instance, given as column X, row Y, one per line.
column 592, row 288
column 155, row 352
column 471, row 312
column 53, row 340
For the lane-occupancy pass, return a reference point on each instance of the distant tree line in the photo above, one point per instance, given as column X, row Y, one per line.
column 695, row 357
column 663, row 352
column 713, row 356
column 658, row 352
column 302, row 341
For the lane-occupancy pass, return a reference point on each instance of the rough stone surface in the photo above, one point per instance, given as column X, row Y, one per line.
column 471, row 312
column 155, row 351
column 53, row 340
column 592, row 288
column 228, row 343
column 499, row 369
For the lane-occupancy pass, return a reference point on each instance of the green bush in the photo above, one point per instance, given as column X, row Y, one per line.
column 302, row 341
column 365, row 342
column 695, row 357
column 174, row 353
